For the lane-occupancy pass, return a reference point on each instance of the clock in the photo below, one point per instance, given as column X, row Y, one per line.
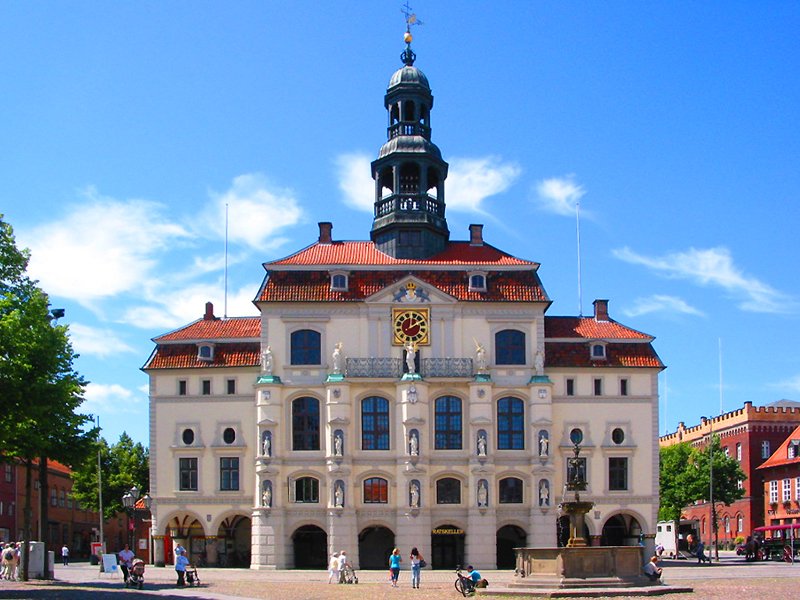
column 411, row 325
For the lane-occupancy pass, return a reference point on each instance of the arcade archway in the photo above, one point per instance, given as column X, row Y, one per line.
column 508, row 538
column 375, row 544
column 310, row 544
column 621, row 530
column 447, row 547
column 233, row 542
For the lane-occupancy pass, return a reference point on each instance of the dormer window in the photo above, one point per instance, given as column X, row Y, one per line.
column 339, row 281
column 598, row 351
column 477, row 282
column 793, row 449
column 205, row 352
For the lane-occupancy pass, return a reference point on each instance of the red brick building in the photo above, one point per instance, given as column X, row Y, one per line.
column 781, row 476
column 750, row 435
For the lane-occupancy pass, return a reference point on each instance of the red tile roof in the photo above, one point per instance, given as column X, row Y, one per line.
column 362, row 253
column 182, row 356
column 207, row 329
column 589, row 328
column 314, row 286
column 570, row 354
column 780, row 457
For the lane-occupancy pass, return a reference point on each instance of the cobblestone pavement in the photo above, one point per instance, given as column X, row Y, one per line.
column 730, row 579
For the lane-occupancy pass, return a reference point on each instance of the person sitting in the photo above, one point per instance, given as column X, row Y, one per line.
column 652, row 570
column 475, row 576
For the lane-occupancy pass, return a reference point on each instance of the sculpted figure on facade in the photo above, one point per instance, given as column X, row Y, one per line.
column 338, row 443
column 480, row 356
column 266, row 444
column 538, row 363
column 266, row 495
column 483, row 493
column 411, row 355
column 544, row 443
column 481, row 444
column 266, row 361
column 337, row 358
column 414, row 494
column 413, row 444
column 544, row 493
column 338, row 495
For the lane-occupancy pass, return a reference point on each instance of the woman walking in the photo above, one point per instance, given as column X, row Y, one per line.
column 394, row 565
column 416, row 566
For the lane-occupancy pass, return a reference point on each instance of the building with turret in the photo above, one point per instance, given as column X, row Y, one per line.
column 406, row 390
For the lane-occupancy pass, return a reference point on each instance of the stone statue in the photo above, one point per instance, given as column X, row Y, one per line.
column 481, row 445
column 337, row 444
column 483, row 493
column 480, row 356
column 544, row 493
column 266, row 361
column 414, row 494
column 266, row 445
column 338, row 495
column 266, row 495
column 538, row 363
column 337, row 358
column 411, row 354
column 413, row 444
column 544, row 443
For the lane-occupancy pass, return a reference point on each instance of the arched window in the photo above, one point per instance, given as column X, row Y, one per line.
column 448, row 491
column 447, row 422
column 376, row 491
column 509, row 347
column 374, row 423
column 511, row 490
column 305, row 424
column 305, row 347
column 306, row 489
column 510, row 424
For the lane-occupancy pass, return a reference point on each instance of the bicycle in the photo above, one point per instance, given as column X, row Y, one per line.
column 463, row 584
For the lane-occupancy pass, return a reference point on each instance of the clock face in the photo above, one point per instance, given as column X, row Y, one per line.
column 410, row 325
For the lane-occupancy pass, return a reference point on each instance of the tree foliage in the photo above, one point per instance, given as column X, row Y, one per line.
column 122, row 466
column 685, row 475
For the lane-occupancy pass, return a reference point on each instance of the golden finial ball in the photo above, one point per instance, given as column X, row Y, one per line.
column 407, row 37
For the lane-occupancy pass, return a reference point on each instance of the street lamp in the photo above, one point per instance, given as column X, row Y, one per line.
column 129, row 502
column 713, row 528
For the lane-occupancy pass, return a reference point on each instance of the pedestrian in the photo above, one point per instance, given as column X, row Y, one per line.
column 126, row 561
column 342, row 564
column 652, row 570
column 701, row 557
column 416, row 565
column 8, row 559
column 65, row 555
column 181, row 562
column 333, row 568
column 394, row 565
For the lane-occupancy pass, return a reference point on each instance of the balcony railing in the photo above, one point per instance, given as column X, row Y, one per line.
column 392, row 368
column 409, row 202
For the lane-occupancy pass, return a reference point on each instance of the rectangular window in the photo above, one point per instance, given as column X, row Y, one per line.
column 739, row 452
column 598, row 387
column 797, row 489
column 53, row 497
column 787, row 490
column 570, row 387
column 206, row 387
column 187, row 474
column 182, row 387
column 376, row 491
column 765, row 449
column 306, row 489
column 623, row 387
column 617, row 473
column 773, row 491
column 229, row 474
column 9, row 473
column 727, row 452
column 231, row 386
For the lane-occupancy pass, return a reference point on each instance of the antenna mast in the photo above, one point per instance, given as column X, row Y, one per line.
column 720, row 375
column 578, row 240
column 225, row 284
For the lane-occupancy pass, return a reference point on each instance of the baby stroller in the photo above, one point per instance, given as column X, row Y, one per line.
column 349, row 575
column 136, row 574
column 192, row 578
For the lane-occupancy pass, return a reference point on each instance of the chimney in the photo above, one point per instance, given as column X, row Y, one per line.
column 476, row 235
column 601, row 310
column 325, row 232
column 209, row 316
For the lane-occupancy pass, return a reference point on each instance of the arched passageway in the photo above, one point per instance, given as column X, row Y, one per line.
column 508, row 538
column 233, row 542
column 621, row 530
column 447, row 547
column 310, row 544
column 375, row 544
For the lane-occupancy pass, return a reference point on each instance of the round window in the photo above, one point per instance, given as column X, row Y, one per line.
column 618, row 436
column 229, row 435
column 576, row 436
column 188, row 437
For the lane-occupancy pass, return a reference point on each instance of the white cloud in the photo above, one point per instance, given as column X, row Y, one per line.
column 791, row 385
column 661, row 304
column 101, row 248
column 257, row 210
column 560, row 195
column 469, row 182
column 714, row 267
column 113, row 398
column 91, row 341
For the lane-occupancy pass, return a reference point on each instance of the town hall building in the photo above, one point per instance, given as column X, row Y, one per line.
column 406, row 390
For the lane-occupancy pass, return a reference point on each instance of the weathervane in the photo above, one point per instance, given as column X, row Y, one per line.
column 408, row 56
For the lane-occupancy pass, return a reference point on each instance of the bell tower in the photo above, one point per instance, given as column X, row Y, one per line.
column 409, row 173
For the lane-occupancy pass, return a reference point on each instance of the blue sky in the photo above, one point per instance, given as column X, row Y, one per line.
column 128, row 126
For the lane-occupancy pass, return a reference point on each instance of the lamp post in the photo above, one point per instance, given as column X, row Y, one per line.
column 129, row 502
column 713, row 516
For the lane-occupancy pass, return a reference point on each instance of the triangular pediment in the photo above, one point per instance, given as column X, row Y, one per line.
column 411, row 291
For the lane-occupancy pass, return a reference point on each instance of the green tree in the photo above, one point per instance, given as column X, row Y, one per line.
column 675, row 481
column 123, row 465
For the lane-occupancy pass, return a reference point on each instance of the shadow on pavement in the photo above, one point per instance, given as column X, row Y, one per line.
column 97, row 590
